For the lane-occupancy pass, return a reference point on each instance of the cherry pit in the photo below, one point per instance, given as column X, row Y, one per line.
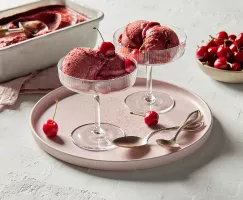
column 224, row 52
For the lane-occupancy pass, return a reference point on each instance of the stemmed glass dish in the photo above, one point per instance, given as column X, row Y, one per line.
column 97, row 136
column 142, row 101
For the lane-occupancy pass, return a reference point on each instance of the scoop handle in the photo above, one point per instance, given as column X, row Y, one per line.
column 3, row 32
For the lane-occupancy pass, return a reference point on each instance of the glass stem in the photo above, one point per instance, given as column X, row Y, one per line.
column 97, row 113
column 149, row 97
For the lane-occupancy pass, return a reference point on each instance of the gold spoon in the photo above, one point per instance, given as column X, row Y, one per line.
column 172, row 142
column 135, row 141
column 29, row 28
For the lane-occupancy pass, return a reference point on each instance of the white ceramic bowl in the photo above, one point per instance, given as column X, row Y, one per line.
column 221, row 75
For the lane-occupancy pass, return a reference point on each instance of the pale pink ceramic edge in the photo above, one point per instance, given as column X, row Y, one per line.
column 131, row 165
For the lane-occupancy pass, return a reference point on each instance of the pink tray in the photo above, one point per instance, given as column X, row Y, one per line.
column 76, row 109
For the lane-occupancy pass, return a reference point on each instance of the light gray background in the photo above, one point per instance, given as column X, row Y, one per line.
column 215, row 172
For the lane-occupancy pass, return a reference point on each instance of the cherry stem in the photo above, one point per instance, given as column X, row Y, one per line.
column 211, row 37
column 229, row 64
column 225, row 40
column 133, row 113
column 99, row 33
column 237, row 48
column 55, row 111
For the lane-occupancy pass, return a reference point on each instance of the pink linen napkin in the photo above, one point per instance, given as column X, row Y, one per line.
column 38, row 82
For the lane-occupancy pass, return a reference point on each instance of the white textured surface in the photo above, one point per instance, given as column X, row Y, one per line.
column 215, row 172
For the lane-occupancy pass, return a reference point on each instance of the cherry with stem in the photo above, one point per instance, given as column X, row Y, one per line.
column 151, row 118
column 106, row 48
column 50, row 127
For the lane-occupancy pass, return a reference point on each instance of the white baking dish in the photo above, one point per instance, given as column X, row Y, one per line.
column 44, row 51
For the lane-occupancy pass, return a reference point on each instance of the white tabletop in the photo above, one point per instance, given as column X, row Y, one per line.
column 215, row 172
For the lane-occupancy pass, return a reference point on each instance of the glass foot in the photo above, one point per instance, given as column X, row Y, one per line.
column 136, row 102
column 84, row 137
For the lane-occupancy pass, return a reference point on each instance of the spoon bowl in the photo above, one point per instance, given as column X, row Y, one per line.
column 129, row 141
column 172, row 142
column 34, row 26
column 168, row 143
column 31, row 28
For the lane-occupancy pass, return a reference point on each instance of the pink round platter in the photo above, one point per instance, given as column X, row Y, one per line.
column 77, row 109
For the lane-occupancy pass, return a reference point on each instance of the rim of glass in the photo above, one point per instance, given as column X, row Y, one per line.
column 59, row 66
column 169, row 49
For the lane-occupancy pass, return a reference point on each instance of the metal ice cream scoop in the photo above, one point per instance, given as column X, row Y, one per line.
column 29, row 28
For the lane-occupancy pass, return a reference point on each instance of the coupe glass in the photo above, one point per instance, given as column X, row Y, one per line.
column 97, row 136
column 142, row 101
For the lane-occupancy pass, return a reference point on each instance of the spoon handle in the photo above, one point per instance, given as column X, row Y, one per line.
column 3, row 32
column 186, row 127
column 187, row 121
column 161, row 129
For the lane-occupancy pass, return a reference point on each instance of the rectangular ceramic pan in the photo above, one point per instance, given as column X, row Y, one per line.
column 44, row 51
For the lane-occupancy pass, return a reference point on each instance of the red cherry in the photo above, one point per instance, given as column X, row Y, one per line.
column 212, row 43
column 50, row 127
column 232, row 37
column 202, row 52
column 106, row 48
column 129, row 65
column 219, row 41
column 239, row 40
column 222, row 35
column 151, row 118
column 137, row 55
column 235, row 67
column 221, row 63
column 238, row 57
column 224, row 52
column 227, row 43
column 234, row 47
column 211, row 60
column 212, row 51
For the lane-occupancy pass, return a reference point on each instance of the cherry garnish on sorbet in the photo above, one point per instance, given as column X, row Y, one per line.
column 106, row 48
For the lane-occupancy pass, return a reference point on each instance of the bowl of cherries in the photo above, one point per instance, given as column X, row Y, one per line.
column 222, row 57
